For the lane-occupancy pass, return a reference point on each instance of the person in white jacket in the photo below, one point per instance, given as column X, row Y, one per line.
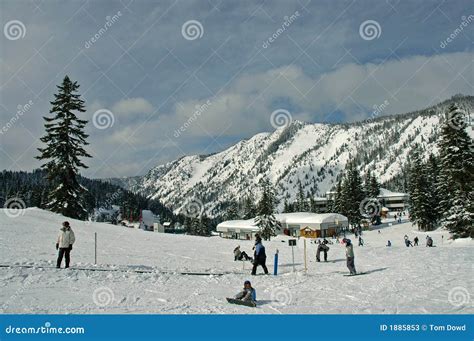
column 64, row 243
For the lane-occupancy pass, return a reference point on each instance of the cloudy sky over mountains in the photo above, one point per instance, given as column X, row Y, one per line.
column 162, row 79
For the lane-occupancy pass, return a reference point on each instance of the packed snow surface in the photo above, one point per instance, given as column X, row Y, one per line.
column 146, row 272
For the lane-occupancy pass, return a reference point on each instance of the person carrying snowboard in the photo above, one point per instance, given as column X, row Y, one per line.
column 247, row 294
column 350, row 256
column 259, row 257
column 64, row 243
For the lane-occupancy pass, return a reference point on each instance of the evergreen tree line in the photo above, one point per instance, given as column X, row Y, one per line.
column 442, row 187
column 33, row 189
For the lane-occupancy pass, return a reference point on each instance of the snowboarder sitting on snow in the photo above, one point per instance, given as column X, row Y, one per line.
column 248, row 293
column 350, row 256
column 239, row 255
column 429, row 241
column 64, row 244
column 408, row 242
column 324, row 248
column 260, row 257
column 389, row 243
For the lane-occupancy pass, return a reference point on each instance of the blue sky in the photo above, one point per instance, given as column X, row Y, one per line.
column 150, row 76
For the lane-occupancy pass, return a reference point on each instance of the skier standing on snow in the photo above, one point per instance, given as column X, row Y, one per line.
column 248, row 293
column 350, row 256
column 259, row 257
column 64, row 243
column 416, row 241
column 361, row 241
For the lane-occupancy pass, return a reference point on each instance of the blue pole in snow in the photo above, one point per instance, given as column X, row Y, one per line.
column 275, row 264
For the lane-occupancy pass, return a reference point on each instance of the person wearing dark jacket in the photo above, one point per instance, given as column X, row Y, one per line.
column 260, row 258
column 324, row 248
column 416, row 241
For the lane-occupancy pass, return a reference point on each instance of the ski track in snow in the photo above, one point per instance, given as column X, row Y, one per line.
column 400, row 280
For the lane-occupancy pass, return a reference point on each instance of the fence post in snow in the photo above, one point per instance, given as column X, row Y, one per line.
column 95, row 248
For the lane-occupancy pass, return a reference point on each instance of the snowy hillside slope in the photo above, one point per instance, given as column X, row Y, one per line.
column 400, row 279
column 313, row 154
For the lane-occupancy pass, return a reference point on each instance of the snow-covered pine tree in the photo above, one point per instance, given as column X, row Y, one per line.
column 419, row 189
column 301, row 203
column 352, row 195
column 231, row 212
column 456, row 176
column 250, row 211
column 372, row 186
column 432, row 173
column 265, row 219
column 64, row 141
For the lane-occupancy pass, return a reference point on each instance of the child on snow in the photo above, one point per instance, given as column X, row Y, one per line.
column 248, row 293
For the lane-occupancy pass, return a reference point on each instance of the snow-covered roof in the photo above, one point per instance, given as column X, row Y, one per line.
column 385, row 193
column 286, row 218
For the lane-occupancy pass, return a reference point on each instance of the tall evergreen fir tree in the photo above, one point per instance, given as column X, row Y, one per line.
column 64, row 141
column 301, row 203
column 232, row 212
column 419, row 189
column 338, row 203
column 265, row 219
column 456, row 178
column 432, row 173
column 352, row 195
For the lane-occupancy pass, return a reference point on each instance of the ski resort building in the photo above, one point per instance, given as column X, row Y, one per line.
column 305, row 224
column 394, row 201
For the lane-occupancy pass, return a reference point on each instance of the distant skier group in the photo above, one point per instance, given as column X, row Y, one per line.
column 408, row 243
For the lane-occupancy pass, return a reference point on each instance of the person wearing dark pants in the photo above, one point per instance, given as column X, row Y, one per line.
column 350, row 256
column 260, row 258
column 64, row 243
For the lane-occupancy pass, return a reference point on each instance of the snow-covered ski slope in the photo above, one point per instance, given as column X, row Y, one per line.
column 399, row 279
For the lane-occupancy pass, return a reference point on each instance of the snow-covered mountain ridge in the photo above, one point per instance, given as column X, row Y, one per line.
column 313, row 154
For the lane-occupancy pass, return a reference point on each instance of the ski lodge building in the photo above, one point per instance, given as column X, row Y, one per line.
column 304, row 224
